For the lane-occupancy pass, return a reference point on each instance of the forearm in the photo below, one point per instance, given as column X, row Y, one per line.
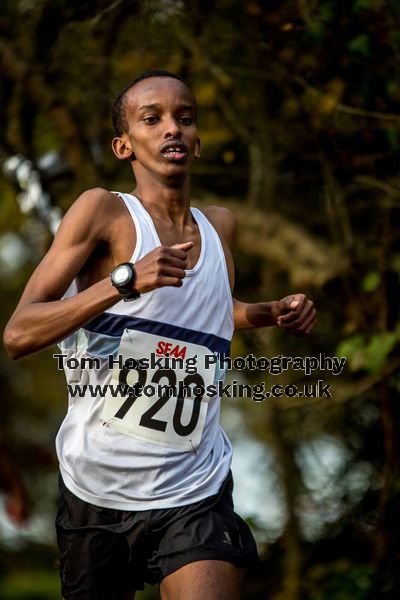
column 37, row 325
column 250, row 316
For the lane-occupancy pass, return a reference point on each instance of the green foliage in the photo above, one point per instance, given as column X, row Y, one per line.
column 368, row 353
column 393, row 137
column 378, row 350
column 360, row 5
column 371, row 281
column 316, row 32
column 360, row 45
column 345, row 581
column 30, row 585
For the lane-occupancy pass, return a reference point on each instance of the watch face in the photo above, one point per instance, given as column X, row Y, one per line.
column 122, row 275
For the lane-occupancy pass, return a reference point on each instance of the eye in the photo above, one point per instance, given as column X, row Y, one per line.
column 151, row 119
column 186, row 120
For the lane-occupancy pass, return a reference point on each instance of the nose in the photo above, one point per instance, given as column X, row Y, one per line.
column 172, row 128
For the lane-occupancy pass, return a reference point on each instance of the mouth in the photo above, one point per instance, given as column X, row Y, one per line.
column 174, row 151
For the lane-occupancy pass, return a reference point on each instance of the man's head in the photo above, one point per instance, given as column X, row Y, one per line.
column 118, row 115
column 155, row 121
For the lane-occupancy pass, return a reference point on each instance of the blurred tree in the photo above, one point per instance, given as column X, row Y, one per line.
column 299, row 118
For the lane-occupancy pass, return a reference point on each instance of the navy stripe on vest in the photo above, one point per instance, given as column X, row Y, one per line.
column 114, row 325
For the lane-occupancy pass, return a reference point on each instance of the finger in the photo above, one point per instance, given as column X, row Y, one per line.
column 304, row 326
column 287, row 305
column 177, row 252
column 181, row 244
column 309, row 326
column 172, row 281
column 298, row 314
column 174, row 261
column 297, row 322
column 289, row 318
column 304, row 330
column 185, row 246
column 297, row 302
column 169, row 271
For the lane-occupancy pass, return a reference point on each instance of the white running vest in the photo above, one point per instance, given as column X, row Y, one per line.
column 148, row 450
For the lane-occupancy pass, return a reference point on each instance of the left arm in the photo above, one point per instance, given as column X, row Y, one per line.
column 295, row 313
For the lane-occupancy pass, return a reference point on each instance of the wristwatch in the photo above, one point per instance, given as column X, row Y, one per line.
column 123, row 278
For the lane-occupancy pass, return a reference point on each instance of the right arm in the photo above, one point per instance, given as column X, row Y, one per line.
column 42, row 318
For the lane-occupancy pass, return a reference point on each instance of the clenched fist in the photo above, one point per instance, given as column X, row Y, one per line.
column 295, row 314
column 162, row 266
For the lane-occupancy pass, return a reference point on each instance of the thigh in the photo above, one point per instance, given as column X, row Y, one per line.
column 203, row 580
column 93, row 566
column 94, row 557
column 208, row 530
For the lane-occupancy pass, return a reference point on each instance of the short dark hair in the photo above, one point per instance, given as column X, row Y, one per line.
column 119, row 121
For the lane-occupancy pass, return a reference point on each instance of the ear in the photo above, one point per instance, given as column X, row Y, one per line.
column 197, row 148
column 122, row 148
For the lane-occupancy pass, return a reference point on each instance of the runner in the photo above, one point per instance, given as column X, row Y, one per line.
column 146, row 489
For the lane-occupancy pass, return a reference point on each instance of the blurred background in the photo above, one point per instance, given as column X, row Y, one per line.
column 299, row 119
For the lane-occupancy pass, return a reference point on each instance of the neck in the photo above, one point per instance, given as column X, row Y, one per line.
column 168, row 201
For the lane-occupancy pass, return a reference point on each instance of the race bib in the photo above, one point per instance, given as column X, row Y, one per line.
column 148, row 396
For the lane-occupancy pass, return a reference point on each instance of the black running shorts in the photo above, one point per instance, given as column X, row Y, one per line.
column 106, row 553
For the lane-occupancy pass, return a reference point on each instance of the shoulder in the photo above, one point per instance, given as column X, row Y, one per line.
column 95, row 199
column 223, row 220
column 93, row 212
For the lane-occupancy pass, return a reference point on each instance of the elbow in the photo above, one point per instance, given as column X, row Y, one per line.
column 13, row 343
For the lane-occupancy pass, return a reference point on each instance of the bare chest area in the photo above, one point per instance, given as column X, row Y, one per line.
column 168, row 235
column 120, row 244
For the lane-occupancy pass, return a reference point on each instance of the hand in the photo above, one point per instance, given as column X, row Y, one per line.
column 162, row 266
column 295, row 314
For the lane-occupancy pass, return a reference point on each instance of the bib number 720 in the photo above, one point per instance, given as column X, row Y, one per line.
column 156, row 409
column 148, row 417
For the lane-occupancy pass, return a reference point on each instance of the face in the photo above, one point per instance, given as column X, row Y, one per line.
column 162, row 137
